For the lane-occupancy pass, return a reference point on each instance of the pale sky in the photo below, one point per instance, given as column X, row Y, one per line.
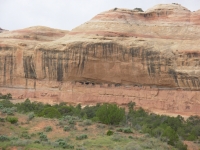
column 68, row 14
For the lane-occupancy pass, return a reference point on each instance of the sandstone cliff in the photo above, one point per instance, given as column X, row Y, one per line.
column 149, row 57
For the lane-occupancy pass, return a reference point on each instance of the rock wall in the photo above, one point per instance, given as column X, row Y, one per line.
column 153, row 99
column 120, row 55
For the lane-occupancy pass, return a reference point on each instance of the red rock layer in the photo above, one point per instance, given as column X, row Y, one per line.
column 156, row 51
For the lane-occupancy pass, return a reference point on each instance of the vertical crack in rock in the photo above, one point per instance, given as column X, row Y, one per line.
column 29, row 68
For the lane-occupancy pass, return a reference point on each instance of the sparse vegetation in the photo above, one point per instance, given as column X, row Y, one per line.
column 110, row 114
column 139, row 9
column 48, row 129
column 81, row 137
column 6, row 96
column 109, row 133
column 31, row 116
column 12, row 119
column 161, row 130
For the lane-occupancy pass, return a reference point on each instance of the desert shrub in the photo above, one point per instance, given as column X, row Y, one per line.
column 117, row 138
column 71, row 122
column 21, row 142
column 193, row 120
column 37, row 141
column 43, row 137
column 148, row 145
column 66, row 128
column 133, row 146
column 25, row 135
column 80, row 148
column 2, row 119
column 191, row 137
column 90, row 111
column 71, row 119
column 181, row 146
column 50, row 113
column 139, row 9
column 12, row 119
column 130, row 137
column 9, row 110
column 63, row 144
column 28, row 106
column 25, row 106
column 110, row 114
column 6, row 103
column 81, row 137
column 101, row 126
column 65, row 110
column 48, row 129
column 127, row 130
column 4, row 138
column 31, row 116
column 87, row 122
column 109, row 133
column 85, row 129
column 119, row 130
column 33, row 134
column 7, row 96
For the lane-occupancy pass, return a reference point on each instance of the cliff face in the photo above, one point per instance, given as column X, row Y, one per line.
column 120, row 55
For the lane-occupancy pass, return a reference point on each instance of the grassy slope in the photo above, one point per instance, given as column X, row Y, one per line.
column 97, row 138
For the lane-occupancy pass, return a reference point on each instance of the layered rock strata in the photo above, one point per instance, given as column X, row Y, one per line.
column 120, row 55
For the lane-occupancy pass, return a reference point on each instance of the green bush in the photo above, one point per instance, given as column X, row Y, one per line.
column 2, row 119
column 7, row 96
column 42, row 137
column 127, row 130
column 37, row 141
column 4, row 138
column 48, row 129
column 63, row 144
column 139, row 9
column 50, row 113
column 181, row 146
column 109, row 133
column 81, row 137
column 71, row 122
column 117, row 138
column 25, row 135
column 65, row 110
column 110, row 114
column 31, row 116
column 119, row 130
column 101, row 126
column 87, row 122
column 66, row 128
column 21, row 142
column 130, row 137
column 12, row 119
column 6, row 103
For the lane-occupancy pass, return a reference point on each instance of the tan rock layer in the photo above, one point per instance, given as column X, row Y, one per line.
column 156, row 51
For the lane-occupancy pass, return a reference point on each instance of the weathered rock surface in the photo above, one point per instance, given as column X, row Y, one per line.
column 120, row 55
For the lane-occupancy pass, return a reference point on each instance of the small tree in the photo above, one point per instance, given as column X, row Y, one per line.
column 131, row 106
column 50, row 113
column 110, row 114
